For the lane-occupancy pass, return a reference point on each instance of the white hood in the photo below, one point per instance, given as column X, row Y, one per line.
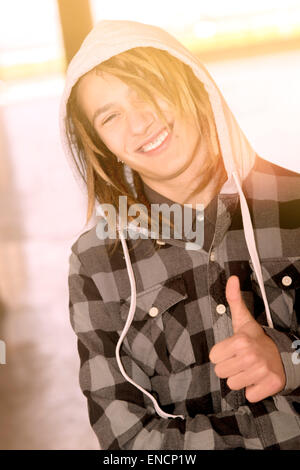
column 109, row 38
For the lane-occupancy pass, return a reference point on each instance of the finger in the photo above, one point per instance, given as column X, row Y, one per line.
column 230, row 367
column 259, row 391
column 239, row 312
column 247, row 378
column 269, row 385
column 224, row 350
column 235, row 345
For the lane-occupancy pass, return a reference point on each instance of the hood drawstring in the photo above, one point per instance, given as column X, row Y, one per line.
column 129, row 319
column 250, row 240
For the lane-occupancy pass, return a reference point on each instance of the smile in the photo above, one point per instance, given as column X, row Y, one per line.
column 159, row 143
column 156, row 143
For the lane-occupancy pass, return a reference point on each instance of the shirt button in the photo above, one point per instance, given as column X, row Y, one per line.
column 153, row 311
column 160, row 242
column 286, row 280
column 221, row 309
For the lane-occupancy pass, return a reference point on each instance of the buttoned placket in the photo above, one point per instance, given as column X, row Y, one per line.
column 221, row 317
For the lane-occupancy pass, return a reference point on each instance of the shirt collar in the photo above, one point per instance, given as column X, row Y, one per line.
column 210, row 212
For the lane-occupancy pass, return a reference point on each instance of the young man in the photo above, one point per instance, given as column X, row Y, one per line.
column 183, row 345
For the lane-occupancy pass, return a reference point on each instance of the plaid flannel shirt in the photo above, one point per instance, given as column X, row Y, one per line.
column 168, row 355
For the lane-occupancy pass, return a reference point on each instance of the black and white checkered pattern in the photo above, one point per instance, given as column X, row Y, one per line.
column 168, row 354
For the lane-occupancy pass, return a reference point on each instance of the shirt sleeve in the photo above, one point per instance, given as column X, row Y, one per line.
column 287, row 344
column 121, row 416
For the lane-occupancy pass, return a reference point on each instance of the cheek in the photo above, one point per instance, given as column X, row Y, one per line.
column 113, row 141
column 181, row 135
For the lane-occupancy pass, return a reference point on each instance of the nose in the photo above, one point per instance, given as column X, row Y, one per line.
column 140, row 117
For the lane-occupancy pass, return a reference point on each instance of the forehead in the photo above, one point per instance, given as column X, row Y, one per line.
column 95, row 87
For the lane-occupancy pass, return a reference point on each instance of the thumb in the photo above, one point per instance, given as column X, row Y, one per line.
column 239, row 312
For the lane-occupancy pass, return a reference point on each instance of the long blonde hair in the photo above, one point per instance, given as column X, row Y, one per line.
column 150, row 72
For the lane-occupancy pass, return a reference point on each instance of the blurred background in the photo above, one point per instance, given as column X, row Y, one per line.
column 251, row 49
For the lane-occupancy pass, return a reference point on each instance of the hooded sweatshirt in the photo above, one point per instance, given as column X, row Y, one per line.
column 133, row 402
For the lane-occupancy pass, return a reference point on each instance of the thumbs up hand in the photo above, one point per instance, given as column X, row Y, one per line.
column 249, row 359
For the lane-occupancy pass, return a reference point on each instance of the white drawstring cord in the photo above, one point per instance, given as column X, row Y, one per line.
column 130, row 316
column 250, row 240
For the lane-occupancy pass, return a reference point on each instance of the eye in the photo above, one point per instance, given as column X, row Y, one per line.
column 109, row 118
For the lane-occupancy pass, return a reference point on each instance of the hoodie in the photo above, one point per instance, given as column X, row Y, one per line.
column 109, row 38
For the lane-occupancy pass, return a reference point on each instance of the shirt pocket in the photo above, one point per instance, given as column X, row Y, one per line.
column 281, row 278
column 158, row 337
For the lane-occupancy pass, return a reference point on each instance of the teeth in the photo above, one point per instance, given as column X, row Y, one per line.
column 156, row 143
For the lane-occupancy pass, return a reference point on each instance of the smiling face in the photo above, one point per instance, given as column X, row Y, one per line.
column 132, row 129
